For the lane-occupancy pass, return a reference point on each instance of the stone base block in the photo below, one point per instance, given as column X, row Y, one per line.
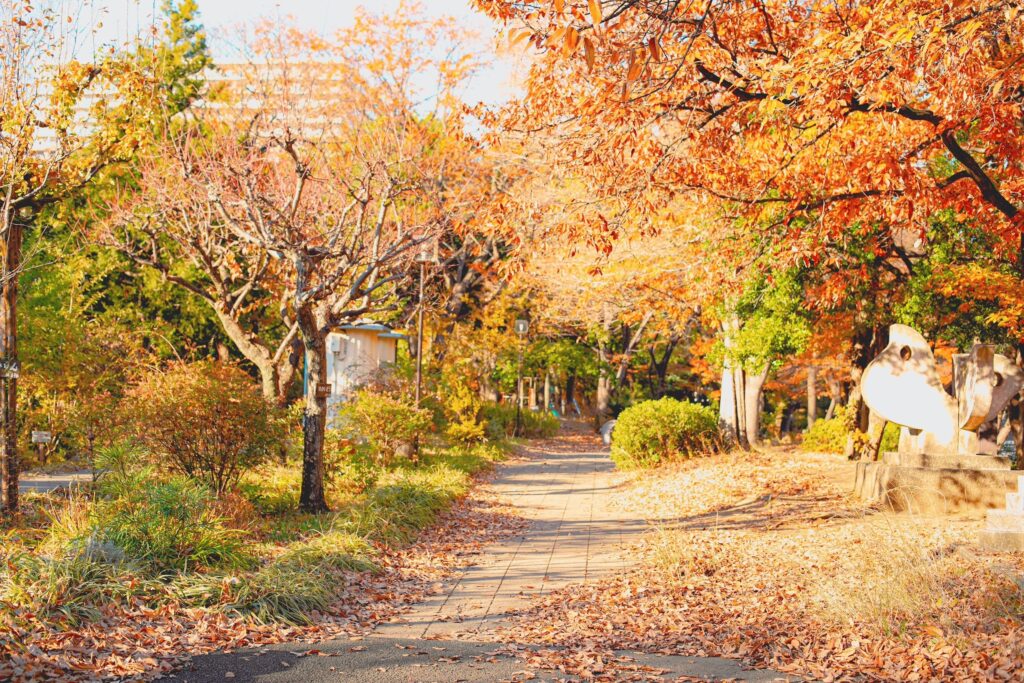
column 947, row 462
column 933, row 491
column 1002, row 541
column 1004, row 520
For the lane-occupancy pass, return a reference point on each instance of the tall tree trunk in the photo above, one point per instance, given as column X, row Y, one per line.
column 730, row 419
column 9, row 462
column 835, row 394
column 658, row 368
column 547, row 389
column 1017, row 412
column 569, row 397
column 866, row 346
column 752, row 400
column 812, row 395
column 314, row 417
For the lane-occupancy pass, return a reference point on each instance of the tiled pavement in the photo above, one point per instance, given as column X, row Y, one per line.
column 564, row 487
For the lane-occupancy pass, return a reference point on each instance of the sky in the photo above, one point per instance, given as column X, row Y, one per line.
column 123, row 19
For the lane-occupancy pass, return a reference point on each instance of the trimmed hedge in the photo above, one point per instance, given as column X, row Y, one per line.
column 652, row 432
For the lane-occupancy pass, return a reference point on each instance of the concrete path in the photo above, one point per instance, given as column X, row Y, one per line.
column 564, row 486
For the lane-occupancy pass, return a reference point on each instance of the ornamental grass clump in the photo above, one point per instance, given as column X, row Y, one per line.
column 653, row 432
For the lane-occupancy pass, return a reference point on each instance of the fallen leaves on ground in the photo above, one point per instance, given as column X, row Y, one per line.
column 764, row 558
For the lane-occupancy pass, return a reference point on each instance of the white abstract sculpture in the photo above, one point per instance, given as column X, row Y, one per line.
column 902, row 385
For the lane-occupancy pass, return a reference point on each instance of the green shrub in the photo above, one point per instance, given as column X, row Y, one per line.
column 500, row 420
column 207, row 420
column 164, row 526
column 653, row 432
column 830, row 436
column 466, row 433
column 385, row 422
column 826, row 436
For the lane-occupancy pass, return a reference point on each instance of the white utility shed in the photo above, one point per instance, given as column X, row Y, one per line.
column 356, row 354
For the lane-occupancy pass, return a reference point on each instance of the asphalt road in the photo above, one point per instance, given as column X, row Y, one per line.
column 41, row 483
column 377, row 659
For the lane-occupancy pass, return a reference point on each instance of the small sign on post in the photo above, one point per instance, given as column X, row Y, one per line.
column 323, row 390
column 40, row 439
column 9, row 368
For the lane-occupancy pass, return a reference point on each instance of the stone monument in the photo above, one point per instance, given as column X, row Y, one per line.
column 940, row 464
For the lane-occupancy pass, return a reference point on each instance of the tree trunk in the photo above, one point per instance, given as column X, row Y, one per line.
column 547, row 390
column 866, row 346
column 604, row 394
column 752, row 400
column 1017, row 415
column 314, row 417
column 569, row 397
column 728, row 410
column 835, row 394
column 604, row 389
column 876, row 430
column 812, row 395
column 9, row 462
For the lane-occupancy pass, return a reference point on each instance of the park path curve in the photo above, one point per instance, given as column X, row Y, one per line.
column 565, row 488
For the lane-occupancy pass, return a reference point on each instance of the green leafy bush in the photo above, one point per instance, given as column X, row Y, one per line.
column 653, row 432
column 67, row 589
column 385, row 422
column 208, row 421
column 826, row 436
column 830, row 436
column 500, row 420
column 467, row 432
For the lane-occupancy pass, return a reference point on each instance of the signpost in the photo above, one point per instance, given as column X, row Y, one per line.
column 40, row 439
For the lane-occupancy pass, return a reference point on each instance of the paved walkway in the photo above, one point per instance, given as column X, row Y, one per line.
column 574, row 537
column 564, row 487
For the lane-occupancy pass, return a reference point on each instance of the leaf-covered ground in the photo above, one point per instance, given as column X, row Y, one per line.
column 140, row 643
column 766, row 559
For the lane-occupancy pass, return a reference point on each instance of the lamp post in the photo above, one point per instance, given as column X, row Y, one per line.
column 424, row 257
column 522, row 327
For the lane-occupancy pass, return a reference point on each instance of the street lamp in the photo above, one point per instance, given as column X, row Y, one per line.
column 522, row 327
column 424, row 258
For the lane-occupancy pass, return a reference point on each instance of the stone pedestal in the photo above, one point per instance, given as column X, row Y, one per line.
column 1004, row 529
column 935, row 484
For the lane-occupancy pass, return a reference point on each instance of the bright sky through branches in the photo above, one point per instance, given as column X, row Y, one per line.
column 123, row 19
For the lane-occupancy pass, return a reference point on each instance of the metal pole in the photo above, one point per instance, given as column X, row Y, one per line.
column 419, row 338
column 519, row 389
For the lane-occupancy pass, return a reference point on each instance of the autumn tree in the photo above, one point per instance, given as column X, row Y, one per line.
column 314, row 179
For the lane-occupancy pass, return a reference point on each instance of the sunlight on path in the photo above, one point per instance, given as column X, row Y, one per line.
column 564, row 487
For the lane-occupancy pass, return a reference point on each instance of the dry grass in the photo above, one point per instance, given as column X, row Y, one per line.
column 766, row 558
